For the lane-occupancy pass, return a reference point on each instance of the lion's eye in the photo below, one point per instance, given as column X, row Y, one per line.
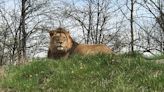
column 55, row 38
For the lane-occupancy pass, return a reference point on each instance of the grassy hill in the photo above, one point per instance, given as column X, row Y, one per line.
column 100, row 73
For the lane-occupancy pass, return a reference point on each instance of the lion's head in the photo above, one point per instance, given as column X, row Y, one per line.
column 60, row 40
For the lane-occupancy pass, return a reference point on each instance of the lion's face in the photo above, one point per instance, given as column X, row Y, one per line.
column 60, row 41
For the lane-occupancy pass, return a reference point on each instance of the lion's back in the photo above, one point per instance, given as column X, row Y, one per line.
column 86, row 49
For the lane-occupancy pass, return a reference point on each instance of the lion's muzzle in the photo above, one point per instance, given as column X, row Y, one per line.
column 59, row 46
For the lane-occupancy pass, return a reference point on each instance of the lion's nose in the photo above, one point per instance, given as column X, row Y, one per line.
column 60, row 42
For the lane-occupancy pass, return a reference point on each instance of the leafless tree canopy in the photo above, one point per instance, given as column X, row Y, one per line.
column 124, row 25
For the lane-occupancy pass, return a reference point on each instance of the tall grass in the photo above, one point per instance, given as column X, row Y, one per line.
column 99, row 73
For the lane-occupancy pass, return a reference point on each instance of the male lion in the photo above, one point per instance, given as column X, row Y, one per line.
column 62, row 46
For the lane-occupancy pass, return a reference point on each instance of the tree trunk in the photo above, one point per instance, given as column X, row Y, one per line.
column 22, row 35
column 90, row 23
column 131, row 26
column 97, row 24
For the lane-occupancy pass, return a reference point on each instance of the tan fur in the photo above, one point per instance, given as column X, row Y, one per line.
column 85, row 49
column 61, row 46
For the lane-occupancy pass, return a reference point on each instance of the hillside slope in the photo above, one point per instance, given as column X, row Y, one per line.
column 101, row 73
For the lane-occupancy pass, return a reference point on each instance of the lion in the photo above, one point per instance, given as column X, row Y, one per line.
column 62, row 45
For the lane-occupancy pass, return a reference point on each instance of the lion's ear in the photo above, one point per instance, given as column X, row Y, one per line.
column 51, row 33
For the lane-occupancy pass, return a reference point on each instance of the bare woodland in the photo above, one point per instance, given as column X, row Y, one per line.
column 124, row 25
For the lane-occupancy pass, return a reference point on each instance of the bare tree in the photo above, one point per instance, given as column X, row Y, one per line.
column 131, row 25
column 19, row 28
column 156, row 8
column 130, row 8
column 30, row 9
column 93, row 19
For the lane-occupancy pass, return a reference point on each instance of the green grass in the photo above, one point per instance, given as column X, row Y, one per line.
column 157, row 57
column 100, row 73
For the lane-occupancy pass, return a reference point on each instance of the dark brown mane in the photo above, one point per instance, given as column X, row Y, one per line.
column 61, row 30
